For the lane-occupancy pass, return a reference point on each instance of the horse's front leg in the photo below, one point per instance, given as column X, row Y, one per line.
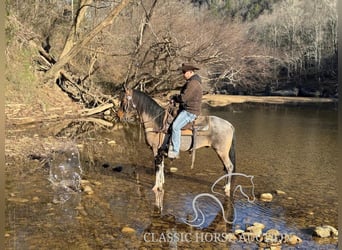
column 229, row 171
column 160, row 179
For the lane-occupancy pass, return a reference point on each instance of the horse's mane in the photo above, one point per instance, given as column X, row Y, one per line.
column 146, row 104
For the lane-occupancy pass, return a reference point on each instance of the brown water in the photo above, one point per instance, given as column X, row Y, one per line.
column 289, row 148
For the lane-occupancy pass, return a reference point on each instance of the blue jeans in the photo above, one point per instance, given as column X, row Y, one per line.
column 183, row 118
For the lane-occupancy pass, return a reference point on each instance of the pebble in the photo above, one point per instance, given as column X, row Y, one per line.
column 19, row 200
column 36, row 198
column 280, row 192
column 88, row 190
column 173, row 169
column 112, row 142
column 127, row 230
column 293, row 240
column 267, row 197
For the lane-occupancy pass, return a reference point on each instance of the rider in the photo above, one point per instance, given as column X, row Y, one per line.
column 190, row 100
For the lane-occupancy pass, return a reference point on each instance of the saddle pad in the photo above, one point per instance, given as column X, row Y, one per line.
column 201, row 124
column 186, row 132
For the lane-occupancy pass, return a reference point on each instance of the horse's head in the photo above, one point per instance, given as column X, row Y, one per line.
column 126, row 104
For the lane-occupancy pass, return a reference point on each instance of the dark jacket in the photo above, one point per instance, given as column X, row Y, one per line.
column 190, row 97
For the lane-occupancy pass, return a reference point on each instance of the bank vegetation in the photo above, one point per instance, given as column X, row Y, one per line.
column 89, row 49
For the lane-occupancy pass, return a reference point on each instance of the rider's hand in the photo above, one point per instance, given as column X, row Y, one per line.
column 174, row 98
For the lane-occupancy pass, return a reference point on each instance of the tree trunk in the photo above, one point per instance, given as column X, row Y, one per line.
column 53, row 73
column 75, row 27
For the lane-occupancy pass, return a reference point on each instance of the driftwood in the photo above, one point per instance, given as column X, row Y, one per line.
column 98, row 121
column 82, row 114
column 89, row 112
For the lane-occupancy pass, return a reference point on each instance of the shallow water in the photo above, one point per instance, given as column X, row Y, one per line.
column 289, row 148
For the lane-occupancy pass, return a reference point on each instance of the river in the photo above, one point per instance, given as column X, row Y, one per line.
column 289, row 150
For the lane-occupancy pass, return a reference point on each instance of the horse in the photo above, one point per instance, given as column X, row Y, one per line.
column 215, row 132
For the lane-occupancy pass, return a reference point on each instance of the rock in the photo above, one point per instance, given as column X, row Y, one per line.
column 83, row 182
column 238, row 231
column 127, row 230
column 280, row 192
column 325, row 231
column 272, row 236
column 35, row 199
column 273, row 232
column 260, row 225
column 267, row 197
column 88, row 190
column 19, row 200
column 230, row 237
column 249, row 237
column 117, row 169
column 293, row 240
column 255, row 230
column 173, row 169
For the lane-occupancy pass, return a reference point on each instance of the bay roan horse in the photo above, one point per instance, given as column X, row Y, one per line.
column 215, row 132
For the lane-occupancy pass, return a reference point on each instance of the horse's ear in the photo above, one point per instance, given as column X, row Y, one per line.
column 126, row 89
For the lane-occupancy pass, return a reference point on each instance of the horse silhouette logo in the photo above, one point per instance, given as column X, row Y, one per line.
column 200, row 217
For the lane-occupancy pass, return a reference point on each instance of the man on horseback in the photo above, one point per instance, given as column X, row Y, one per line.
column 190, row 100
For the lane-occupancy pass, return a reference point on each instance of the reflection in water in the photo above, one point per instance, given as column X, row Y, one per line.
column 292, row 149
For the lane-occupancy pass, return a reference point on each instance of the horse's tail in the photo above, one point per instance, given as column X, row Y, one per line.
column 232, row 151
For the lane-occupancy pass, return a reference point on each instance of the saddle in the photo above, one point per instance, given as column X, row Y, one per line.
column 201, row 123
column 199, row 126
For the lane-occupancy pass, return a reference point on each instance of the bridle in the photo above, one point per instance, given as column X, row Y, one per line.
column 159, row 132
column 129, row 103
column 129, row 99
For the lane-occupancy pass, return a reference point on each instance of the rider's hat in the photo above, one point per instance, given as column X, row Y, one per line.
column 188, row 67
